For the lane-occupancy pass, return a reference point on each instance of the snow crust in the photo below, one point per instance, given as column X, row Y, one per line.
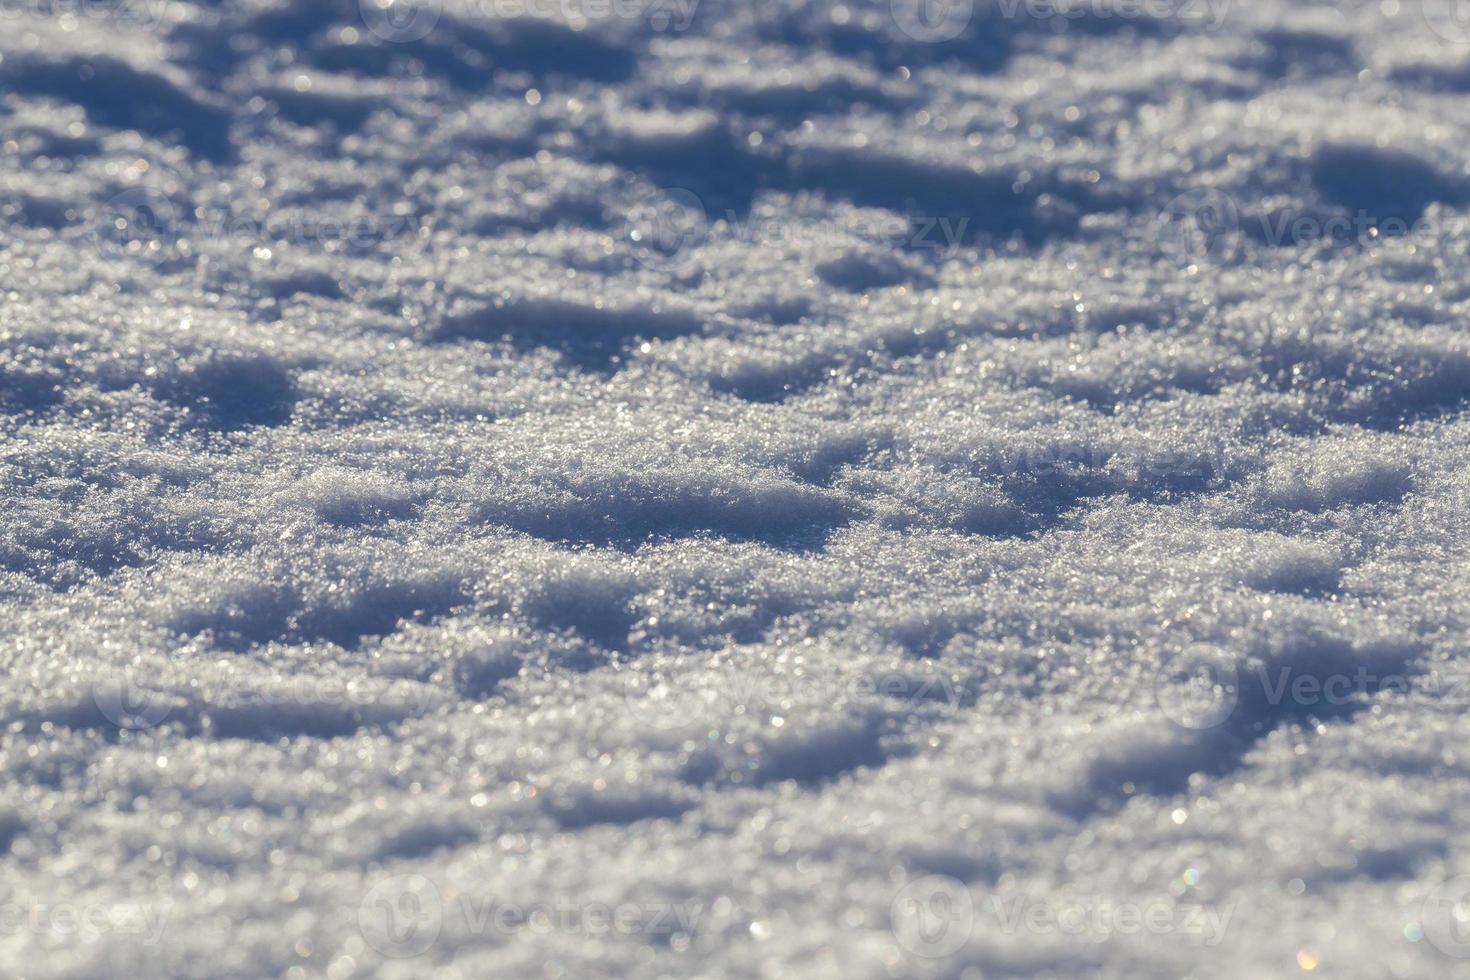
column 734, row 489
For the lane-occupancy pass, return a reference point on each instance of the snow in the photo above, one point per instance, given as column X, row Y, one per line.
column 734, row 489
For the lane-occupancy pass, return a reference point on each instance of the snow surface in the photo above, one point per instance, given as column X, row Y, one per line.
column 734, row 489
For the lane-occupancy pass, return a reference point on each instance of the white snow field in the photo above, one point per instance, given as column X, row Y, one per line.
column 744, row 489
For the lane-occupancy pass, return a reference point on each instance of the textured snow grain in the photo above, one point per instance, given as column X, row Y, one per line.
column 740, row 467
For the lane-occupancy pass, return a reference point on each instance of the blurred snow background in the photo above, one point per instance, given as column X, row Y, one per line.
column 734, row 489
